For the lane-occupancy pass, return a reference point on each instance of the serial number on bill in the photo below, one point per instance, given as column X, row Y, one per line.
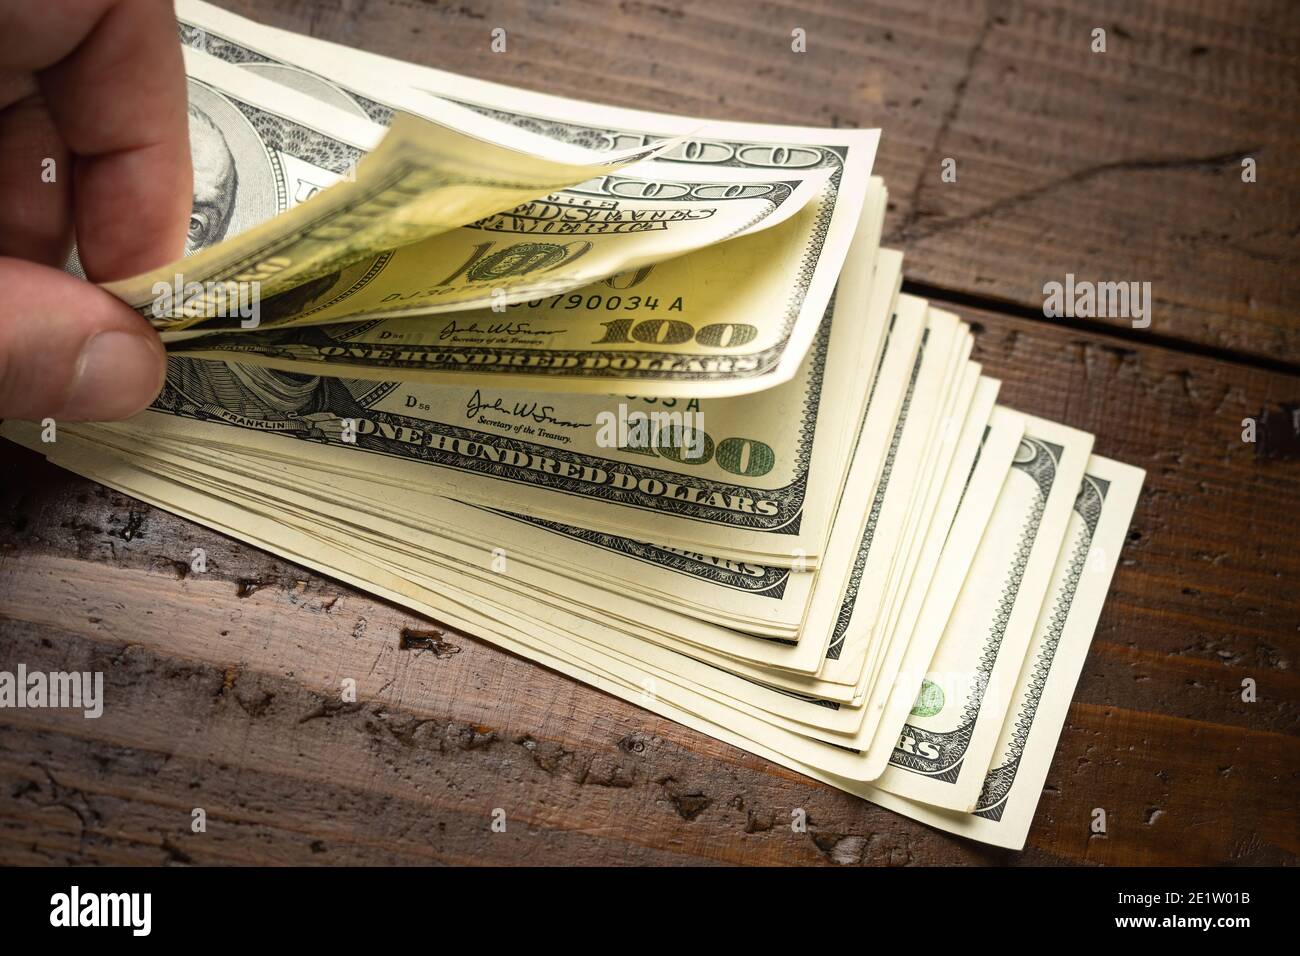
column 596, row 302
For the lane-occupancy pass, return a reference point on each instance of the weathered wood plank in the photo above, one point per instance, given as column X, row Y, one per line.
column 220, row 683
column 245, row 722
column 1115, row 166
column 1123, row 165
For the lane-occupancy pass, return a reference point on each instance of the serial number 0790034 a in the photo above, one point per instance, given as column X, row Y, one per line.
column 599, row 302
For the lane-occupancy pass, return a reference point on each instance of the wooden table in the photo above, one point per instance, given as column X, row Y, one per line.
column 1112, row 166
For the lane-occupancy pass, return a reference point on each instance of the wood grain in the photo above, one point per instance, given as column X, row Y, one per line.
column 222, row 686
column 1115, row 166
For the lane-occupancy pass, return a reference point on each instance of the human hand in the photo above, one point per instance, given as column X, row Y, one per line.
column 93, row 134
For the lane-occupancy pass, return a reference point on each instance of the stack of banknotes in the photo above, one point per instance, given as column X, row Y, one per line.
column 633, row 395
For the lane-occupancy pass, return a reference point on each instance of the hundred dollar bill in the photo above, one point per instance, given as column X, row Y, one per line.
column 601, row 226
column 978, row 466
column 877, row 496
column 844, row 755
column 409, row 538
column 754, row 477
column 944, row 750
column 840, row 733
column 970, row 490
column 640, row 574
column 702, row 324
column 250, row 519
column 611, row 602
column 929, row 601
column 713, row 588
column 704, row 579
column 442, row 569
column 1064, row 629
column 836, row 761
column 555, row 456
column 752, row 598
column 926, row 513
column 866, row 621
column 794, row 713
column 1009, row 795
column 258, row 150
column 906, row 477
column 608, row 652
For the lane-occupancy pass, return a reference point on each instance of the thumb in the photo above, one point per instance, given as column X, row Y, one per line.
column 70, row 351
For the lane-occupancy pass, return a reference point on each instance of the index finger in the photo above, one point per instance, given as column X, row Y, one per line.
column 114, row 82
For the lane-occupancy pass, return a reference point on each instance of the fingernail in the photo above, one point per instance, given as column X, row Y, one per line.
column 118, row 374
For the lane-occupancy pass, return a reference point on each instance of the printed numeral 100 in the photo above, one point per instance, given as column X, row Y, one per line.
column 719, row 335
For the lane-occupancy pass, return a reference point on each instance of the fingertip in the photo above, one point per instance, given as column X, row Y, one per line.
column 133, row 211
column 117, row 374
column 119, row 100
column 70, row 351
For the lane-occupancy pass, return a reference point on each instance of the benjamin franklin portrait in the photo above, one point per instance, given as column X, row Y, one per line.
column 238, row 181
column 267, row 394
column 216, row 182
